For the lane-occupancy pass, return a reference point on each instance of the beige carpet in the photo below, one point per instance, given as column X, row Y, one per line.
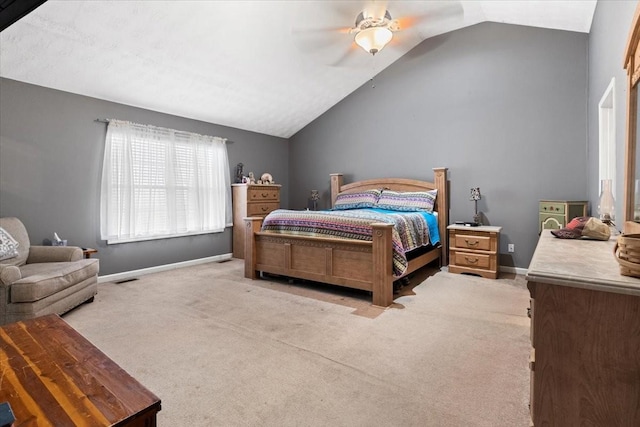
column 221, row 350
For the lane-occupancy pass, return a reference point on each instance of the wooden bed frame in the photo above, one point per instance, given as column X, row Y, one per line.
column 345, row 262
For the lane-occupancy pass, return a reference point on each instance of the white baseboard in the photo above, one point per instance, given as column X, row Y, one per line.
column 225, row 257
column 136, row 273
column 503, row 269
column 514, row 270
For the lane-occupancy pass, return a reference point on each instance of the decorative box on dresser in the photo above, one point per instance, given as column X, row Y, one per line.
column 251, row 200
column 474, row 250
column 555, row 214
column 585, row 335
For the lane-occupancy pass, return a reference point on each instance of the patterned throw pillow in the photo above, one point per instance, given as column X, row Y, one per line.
column 410, row 201
column 8, row 245
column 357, row 200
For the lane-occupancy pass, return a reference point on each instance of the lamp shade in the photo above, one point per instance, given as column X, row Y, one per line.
column 373, row 39
column 475, row 194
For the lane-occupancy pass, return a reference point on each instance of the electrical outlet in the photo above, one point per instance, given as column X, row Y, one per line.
column 512, row 247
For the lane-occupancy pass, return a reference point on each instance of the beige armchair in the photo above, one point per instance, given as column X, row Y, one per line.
column 39, row 280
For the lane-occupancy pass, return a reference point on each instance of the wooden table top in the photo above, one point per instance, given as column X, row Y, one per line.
column 52, row 375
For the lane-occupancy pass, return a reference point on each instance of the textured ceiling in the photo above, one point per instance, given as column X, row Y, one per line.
column 266, row 66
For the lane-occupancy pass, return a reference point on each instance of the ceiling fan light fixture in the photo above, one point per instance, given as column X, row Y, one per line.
column 373, row 39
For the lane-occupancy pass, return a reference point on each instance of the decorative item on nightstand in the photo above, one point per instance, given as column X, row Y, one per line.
column 475, row 196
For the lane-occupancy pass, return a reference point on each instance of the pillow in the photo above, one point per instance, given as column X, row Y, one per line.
column 407, row 201
column 357, row 200
column 8, row 245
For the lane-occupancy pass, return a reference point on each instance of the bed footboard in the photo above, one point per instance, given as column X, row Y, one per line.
column 350, row 263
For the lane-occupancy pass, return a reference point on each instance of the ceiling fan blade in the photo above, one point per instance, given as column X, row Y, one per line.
column 303, row 31
column 320, row 27
column 327, row 47
column 312, row 39
column 346, row 59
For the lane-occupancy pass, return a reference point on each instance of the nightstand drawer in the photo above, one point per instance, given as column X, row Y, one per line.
column 551, row 207
column 261, row 209
column 471, row 259
column 470, row 241
column 263, row 194
column 551, row 222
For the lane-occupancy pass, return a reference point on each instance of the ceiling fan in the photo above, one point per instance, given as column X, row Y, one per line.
column 374, row 27
column 320, row 26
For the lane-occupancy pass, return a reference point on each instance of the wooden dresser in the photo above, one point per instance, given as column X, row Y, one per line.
column 251, row 200
column 585, row 336
column 554, row 214
column 474, row 250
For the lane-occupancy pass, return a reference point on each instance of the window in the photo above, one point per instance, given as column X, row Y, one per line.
column 159, row 183
column 607, row 137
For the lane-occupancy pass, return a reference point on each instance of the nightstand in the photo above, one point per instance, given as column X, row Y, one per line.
column 474, row 250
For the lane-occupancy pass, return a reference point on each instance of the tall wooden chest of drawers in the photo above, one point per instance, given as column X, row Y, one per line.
column 554, row 214
column 251, row 200
column 474, row 250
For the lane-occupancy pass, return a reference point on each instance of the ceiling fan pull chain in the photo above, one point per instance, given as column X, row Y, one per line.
column 373, row 71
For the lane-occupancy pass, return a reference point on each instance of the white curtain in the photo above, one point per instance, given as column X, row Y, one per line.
column 159, row 183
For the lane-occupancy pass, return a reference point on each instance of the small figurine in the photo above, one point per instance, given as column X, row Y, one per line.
column 266, row 178
column 239, row 172
column 252, row 179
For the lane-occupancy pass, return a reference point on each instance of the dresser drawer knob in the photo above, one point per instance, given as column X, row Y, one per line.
column 471, row 243
column 265, row 194
column 471, row 260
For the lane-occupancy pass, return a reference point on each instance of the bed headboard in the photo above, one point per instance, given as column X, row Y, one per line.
column 440, row 183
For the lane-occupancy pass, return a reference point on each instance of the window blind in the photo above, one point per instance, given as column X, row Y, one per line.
column 159, row 183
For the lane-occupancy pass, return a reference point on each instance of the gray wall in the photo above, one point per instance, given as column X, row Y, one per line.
column 51, row 163
column 607, row 41
column 502, row 106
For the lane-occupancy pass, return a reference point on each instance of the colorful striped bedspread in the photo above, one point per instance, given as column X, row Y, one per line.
column 411, row 230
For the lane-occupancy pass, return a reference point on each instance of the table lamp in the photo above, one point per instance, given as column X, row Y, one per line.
column 475, row 196
column 315, row 196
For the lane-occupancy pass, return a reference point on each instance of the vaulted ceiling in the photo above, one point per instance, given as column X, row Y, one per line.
column 265, row 66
